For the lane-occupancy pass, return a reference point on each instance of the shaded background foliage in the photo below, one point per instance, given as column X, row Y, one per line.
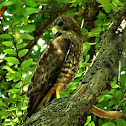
column 24, row 33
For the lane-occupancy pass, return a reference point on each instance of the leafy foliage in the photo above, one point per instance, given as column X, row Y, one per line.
column 19, row 34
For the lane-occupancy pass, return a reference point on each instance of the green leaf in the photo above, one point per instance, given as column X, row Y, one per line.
column 7, row 3
column 6, row 36
column 28, row 28
column 100, row 98
column 107, row 7
column 27, row 78
column 88, row 120
column 9, row 69
column 27, row 36
column 84, row 31
column 22, row 52
column 118, row 94
column 10, row 76
column 100, row 1
column 7, row 123
column 114, row 85
column 13, row 91
column 26, row 63
column 29, row 10
column 115, row 8
column 86, row 47
column 87, row 58
column 10, row 51
column 23, row 108
column 101, row 15
column 120, row 121
column 12, row 108
column 15, row 120
column 30, row 3
column 21, row 45
column 109, row 124
column 12, row 60
column 112, row 102
column 92, row 124
column 17, row 76
column 117, row 3
column 83, row 64
column 95, row 32
column 107, row 97
column 8, row 43
column 19, row 113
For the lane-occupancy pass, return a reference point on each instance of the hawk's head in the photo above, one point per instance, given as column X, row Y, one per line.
column 65, row 23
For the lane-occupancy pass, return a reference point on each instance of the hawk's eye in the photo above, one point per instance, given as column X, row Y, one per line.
column 60, row 23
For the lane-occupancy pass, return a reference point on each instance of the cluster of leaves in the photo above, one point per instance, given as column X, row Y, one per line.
column 109, row 5
column 115, row 98
column 17, row 30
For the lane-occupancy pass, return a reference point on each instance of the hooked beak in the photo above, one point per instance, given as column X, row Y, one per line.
column 55, row 30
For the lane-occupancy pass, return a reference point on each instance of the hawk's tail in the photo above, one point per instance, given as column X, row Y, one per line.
column 37, row 102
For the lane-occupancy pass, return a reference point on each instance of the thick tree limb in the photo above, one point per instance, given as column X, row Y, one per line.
column 73, row 110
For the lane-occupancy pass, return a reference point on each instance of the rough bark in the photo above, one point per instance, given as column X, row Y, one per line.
column 73, row 110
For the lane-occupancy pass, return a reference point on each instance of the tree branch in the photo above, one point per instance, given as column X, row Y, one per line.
column 107, row 114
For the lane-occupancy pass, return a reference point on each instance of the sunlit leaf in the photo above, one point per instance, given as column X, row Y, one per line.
column 109, row 124
column 7, row 3
column 23, row 108
column 15, row 119
column 12, row 108
column 9, row 69
column 88, row 120
column 13, row 91
column 100, row 98
column 107, row 97
column 114, row 85
column 28, row 28
column 21, row 45
column 8, row 43
column 22, row 52
column 30, row 3
column 115, row 8
column 10, row 51
column 26, row 63
column 107, row 7
column 87, row 58
column 6, row 36
column 27, row 36
column 6, row 123
column 117, row 3
column 12, row 60
column 29, row 10
column 92, row 124
column 17, row 76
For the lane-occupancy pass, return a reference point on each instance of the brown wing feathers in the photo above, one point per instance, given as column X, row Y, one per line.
column 46, row 73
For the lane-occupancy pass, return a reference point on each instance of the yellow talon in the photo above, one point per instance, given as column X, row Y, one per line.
column 57, row 93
